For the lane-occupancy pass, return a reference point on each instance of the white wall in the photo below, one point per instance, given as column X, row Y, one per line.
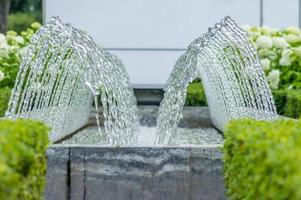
column 149, row 35
column 280, row 13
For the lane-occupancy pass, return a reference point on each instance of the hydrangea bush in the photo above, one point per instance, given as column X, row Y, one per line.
column 279, row 51
column 12, row 48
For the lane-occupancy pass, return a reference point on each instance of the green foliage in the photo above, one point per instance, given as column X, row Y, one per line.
column 12, row 48
column 20, row 21
column 23, row 146
column 293, row 105
column 28, row 6
column 196, row 95
column 23, row 13
column 262, row 159
column 280, row 100
column 288, row 102
column 4, row 98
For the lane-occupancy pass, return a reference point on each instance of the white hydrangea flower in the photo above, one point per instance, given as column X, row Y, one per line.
column 3, row 42
column 285, row 61
column 265, row 64
column 291, row 38
column 279, row 42
column 2, row 75
column 264, row 42
column 293, row 30
column 286, row 52
column 19, row 39
column 274, row 78
column 274, row 75
column 2, row 38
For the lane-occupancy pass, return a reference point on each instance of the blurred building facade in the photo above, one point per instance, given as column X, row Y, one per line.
column 149, row 35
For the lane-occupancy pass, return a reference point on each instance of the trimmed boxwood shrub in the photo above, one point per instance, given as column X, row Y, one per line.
column 23, row 145
column 262, row 160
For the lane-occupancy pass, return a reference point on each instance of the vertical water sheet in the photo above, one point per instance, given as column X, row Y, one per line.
column 59, row 76
column 170, row 110
column 234, row 82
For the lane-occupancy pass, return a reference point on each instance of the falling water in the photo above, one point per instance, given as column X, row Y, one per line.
column 184, row 72
column 59, row 76
column 233, row 80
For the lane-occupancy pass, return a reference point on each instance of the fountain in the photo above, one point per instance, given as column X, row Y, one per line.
column 59, row 76
column 64, row 71
column 233, row 80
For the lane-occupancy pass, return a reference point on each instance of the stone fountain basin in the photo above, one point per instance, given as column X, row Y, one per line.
column 190, row 168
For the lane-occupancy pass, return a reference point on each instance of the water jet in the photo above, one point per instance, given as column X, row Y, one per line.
column 118, row 151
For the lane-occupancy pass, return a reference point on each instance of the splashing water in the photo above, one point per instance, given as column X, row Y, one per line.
column 232, row 77
column 59, row 76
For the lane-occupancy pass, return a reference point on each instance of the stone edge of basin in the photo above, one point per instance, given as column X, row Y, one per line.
column 179, row 172
column 133, row 146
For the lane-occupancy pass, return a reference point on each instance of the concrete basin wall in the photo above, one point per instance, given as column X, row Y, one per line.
column 133, row 173
column 96, row 172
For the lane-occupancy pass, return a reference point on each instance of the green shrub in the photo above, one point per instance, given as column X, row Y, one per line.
column 262, row 159
column 293, row 105
column 4, row 98
column 196, row 95
column 20, row 21
column 280, row 100
column 12, row 48
column 23, row 145
column 288, row 102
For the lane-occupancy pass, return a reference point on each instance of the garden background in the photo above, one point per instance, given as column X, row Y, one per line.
column 279, row 51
